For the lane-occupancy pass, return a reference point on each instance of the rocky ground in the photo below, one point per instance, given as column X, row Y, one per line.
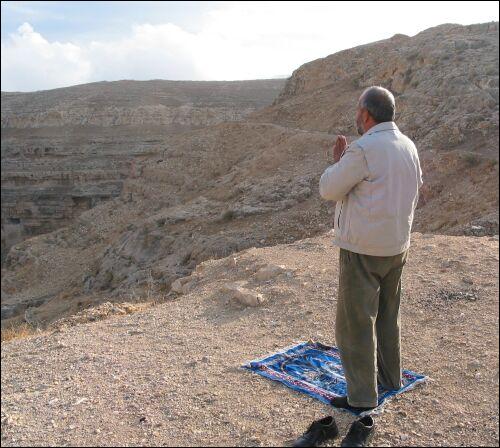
column 168, row 375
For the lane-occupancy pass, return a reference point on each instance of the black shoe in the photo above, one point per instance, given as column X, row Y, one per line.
column 318, row 432
column 360, row 433
column 342, row 403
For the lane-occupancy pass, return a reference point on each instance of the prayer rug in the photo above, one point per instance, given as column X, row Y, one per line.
column 316, row 369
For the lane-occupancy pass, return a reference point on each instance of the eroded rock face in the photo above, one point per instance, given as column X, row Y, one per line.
column 66, row 150
column 173, row 104
column 446, row 84
column 445, row 80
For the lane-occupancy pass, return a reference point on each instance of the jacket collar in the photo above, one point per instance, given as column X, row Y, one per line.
column 385, row 126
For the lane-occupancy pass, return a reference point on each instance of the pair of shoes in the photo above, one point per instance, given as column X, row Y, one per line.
column 360, row 433
column 342, row 403
column 319, row 432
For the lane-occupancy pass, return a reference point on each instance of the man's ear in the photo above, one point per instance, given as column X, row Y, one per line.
column 366, row 116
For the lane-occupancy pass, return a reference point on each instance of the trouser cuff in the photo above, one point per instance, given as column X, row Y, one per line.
column 361, row 404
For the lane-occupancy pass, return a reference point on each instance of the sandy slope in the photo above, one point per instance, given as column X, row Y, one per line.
column 169, row 375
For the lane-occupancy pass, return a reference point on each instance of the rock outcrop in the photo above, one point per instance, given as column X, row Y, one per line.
column 446, row 83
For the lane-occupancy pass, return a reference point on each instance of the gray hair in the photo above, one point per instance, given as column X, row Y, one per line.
column 379, row 102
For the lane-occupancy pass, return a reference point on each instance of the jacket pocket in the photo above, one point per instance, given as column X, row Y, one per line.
column 342, row 223
column 347, row 221
column 340, row 214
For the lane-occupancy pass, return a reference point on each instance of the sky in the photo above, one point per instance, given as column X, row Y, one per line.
column 51, row 44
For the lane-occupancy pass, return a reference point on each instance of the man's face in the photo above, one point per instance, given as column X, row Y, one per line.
column 360, row 121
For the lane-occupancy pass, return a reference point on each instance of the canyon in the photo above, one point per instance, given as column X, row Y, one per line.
column 66, row 150
column 162, row 196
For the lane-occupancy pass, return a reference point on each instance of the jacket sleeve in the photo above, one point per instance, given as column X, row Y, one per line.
column 339, row 178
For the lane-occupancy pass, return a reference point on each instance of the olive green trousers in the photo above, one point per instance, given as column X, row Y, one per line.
column 367, row 326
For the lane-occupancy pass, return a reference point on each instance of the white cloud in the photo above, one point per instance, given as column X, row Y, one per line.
column 159, row 51
column 29, row 62
column 237, row 40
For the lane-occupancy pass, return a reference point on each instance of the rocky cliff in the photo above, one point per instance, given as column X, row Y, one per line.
column 66, row 150
column 446, row 85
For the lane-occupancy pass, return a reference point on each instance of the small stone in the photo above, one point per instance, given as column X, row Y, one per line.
column 183, row 285
column 475, row 364
column 7, row 420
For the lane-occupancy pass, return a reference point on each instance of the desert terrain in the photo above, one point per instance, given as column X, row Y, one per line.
column 169, row 374
column 123, row 317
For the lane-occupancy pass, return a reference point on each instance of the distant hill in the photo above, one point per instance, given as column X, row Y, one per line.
column 66, row 150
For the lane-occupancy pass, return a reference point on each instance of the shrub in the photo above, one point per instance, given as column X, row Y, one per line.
column 227, row 215
column 471, row 159
column 17, row 331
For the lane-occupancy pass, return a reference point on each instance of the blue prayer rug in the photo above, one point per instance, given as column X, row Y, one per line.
column 315, row 369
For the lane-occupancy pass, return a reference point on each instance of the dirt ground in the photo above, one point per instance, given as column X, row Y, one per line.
column 170, row 375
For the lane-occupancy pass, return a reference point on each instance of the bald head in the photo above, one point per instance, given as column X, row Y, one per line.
column 379, row 103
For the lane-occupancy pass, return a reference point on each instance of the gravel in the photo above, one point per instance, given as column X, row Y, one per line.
column 170, row 375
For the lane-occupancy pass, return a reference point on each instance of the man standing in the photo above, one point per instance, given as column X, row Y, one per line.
column 375, row 182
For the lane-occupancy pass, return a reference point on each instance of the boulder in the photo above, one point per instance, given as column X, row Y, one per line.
column 269, row 272
column 243, row 296
column 182, row 285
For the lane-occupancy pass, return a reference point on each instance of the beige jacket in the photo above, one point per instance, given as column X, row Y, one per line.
column 375, row 184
